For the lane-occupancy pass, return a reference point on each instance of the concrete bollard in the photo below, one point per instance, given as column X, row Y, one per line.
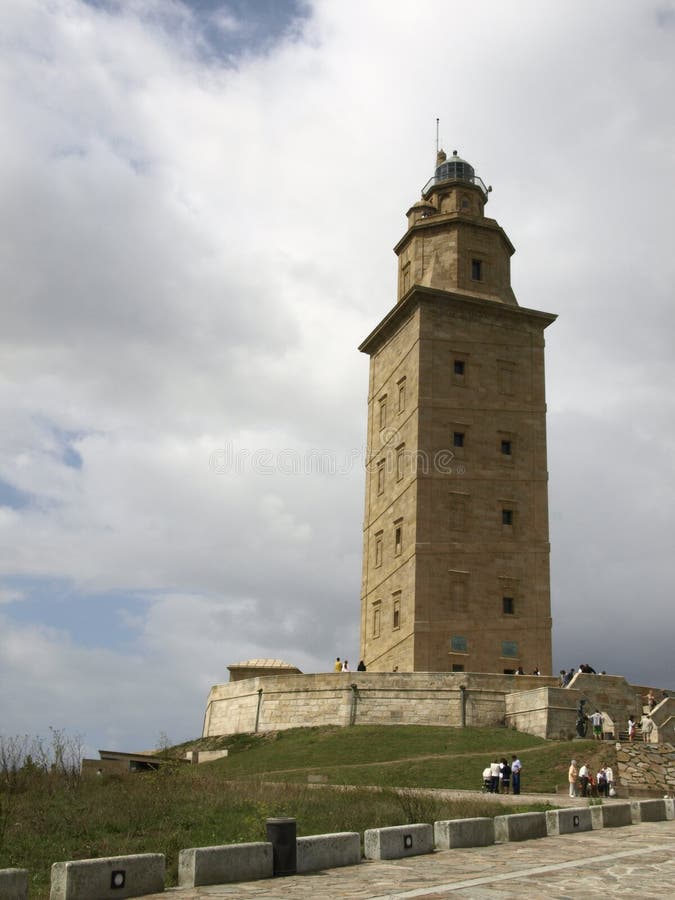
column 398, row 841
column 227, row 863
column 670, row 808
column 614, row 815
column 108, row 878
column 14, row 884
column 328, row 851
column 567, row 821
column 520, row 827
column 476, row 832
column 648, row 811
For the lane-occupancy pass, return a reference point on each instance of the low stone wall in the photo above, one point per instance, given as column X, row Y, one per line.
column 649, row 767
column 529, row 703
column 374, row 698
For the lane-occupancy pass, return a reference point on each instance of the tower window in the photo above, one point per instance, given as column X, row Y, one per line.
column 458, row 510
column 378, row 548
column 396, row 621
column 380, row 477
column 458, row 439
column 457, row 667
column 506, row 448
column 383, row 412
column 401, row 395
column 477, row 269
column 400, row 462
column 507, row 517
column 459, row 367
column 508, row 606
column 398, row 538
column 510, row 649
column 376, row 620
column 458, row 644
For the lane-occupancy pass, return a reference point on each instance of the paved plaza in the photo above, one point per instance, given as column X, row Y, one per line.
column 636, row 860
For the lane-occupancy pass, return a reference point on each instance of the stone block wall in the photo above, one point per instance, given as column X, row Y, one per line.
column 647, row 766
column 366, row 698
column 549, row 712
column 529, row 703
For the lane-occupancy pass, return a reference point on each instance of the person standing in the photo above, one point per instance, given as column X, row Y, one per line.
column 647, row 727
column 516, row 768
column 609, row 780
column 338, row 665
column 596, row 722
column 494, row 777
column 572, row 777
column 505, row 775
column 631, row 727
column 361, row 666
column 345, row 666
column 584, row 778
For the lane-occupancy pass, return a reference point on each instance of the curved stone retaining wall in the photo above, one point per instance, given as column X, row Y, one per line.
column 374, row 698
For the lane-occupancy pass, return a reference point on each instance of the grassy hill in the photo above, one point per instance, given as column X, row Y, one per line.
column 398, row 756
column 45, row 818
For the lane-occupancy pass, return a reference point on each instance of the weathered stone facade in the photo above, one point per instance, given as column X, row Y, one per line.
column 456, row 553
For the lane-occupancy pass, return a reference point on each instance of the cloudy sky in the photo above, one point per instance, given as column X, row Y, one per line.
column 199, row 204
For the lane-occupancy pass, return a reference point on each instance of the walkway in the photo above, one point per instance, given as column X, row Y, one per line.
column 611, row 862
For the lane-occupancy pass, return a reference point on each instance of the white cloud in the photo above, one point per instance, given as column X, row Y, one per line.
column 192, row 250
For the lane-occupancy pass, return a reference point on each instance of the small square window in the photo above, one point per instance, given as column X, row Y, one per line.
column 459, row 366
column 457, row 667
column 508, row 606
column 458, row 643
column 510, row 649
column 506, row 448
column 477, row 269
column 458, row 439
column 507, row 517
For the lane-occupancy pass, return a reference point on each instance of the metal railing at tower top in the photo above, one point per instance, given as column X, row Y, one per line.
column 441, row 179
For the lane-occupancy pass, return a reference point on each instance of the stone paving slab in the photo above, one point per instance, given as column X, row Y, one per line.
column 615, row 862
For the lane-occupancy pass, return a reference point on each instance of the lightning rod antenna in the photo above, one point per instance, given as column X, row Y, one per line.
column 437, row 124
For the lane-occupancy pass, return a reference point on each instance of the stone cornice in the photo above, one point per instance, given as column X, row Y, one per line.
column 419, row 294
column 441, row 221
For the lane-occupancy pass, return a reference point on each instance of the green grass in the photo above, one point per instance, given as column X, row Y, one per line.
column 48, row 819
column 308, row 749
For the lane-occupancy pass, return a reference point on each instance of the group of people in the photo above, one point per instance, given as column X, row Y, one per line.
column 582, row 779
column 342, row 665
column 584, row 669
column 646, row 727
column 500, row 776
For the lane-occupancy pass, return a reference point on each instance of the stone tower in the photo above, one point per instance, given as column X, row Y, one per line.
column 456, row 552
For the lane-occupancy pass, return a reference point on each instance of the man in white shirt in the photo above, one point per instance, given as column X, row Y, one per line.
column 609, row 778
column 583, row 778
column 515, row 774
column 596, row 722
